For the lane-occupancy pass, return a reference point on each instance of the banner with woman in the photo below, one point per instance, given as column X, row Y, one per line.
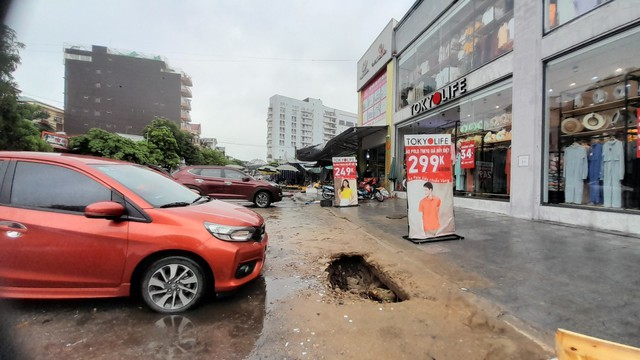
column 430, row 187
column 345, row 181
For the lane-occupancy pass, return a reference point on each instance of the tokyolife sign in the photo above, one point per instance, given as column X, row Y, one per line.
column 441, row 96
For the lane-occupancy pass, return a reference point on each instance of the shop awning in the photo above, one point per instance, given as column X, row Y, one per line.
column 344, row 144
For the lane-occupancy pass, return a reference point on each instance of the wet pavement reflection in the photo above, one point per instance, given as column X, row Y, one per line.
column 223, row 328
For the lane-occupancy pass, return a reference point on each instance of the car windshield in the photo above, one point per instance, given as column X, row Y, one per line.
column 154, row 188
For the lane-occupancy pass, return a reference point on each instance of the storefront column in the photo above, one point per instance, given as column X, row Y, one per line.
column 526, row 153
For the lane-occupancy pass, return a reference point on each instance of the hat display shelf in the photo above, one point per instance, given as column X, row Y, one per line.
column 489, row 131
column 598, row 111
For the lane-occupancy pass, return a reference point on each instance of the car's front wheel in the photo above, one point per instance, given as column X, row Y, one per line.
column 262, row 199
column 173, row 284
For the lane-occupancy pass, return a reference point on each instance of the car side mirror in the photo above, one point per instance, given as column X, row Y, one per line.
column 104, row 210
column 246, row 178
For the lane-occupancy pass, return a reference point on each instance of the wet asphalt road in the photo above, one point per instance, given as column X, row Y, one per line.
column 221, row 328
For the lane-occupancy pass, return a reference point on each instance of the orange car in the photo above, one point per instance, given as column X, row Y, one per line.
column 85, row 227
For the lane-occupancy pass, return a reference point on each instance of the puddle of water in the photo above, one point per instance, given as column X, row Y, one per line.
column 281, row 288
column 226, row 327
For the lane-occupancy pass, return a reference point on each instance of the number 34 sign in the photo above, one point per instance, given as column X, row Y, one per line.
column 428, row 157
column 467, row 154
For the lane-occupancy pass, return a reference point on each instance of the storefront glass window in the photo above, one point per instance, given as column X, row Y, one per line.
column 592, row 125
column 474, row 33
column 374, row 100
column 480, row 125
column 558, row 12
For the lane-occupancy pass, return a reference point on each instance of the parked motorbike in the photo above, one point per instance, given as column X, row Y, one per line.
column 368, row 190
column 328, row 192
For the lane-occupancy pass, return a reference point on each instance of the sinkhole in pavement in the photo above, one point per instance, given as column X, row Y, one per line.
column 352, row 273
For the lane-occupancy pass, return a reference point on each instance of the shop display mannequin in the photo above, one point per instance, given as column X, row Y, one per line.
column 575, row 171
column 460, row 174
column 612, row 172
column 595, row 168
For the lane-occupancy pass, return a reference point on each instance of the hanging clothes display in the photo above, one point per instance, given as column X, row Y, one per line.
column 595, row 166
column 633, row 174
column 612, row 172
column 507, row 170
column 459, row 173
column 499, row 157
column 575, row 171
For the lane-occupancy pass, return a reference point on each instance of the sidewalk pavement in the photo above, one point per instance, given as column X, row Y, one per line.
column 547, row 275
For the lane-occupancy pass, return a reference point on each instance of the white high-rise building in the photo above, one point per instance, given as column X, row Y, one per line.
column 294, row 124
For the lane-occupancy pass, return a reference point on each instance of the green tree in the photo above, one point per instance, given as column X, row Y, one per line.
column 236, row 162
column 184, row 140
column 32, row 112
column 98, row 142
column 9, row 61
column 25, row 136
column 37, row 115
column 16, row 132
column 212, row 157
column 162, row 138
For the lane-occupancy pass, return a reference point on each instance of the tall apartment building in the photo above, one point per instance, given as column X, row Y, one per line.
column 293, row 124
column 122, row 91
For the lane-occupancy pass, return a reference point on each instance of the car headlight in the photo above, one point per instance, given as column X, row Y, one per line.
column 275, row 185
column 230, row 233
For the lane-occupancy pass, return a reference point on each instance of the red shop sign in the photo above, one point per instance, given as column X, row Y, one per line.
column 467, row 154
column 430, row 161
column 344, row 168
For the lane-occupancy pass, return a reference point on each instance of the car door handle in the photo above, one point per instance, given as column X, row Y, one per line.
column 12, row 228
column 227, row 182
column 199, row 181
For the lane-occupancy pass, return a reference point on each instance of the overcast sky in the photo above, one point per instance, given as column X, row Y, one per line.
column 239, row 53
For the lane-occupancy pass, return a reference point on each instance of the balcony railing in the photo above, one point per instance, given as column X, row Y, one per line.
column 186, row 91
column 186, row 80
column 185, row 116
column 185, row 104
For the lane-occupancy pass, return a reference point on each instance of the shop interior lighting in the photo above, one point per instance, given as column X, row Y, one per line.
column 594, row 78
column 618, row 69
column 550, row 90
column 572, row 84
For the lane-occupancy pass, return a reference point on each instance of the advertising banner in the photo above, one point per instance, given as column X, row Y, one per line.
column 429, row 186
column 468, row 154
column 57, row 141
column 345, row 181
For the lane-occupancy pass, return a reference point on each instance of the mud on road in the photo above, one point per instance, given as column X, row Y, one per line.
column 331, row 313
column 330, row 289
